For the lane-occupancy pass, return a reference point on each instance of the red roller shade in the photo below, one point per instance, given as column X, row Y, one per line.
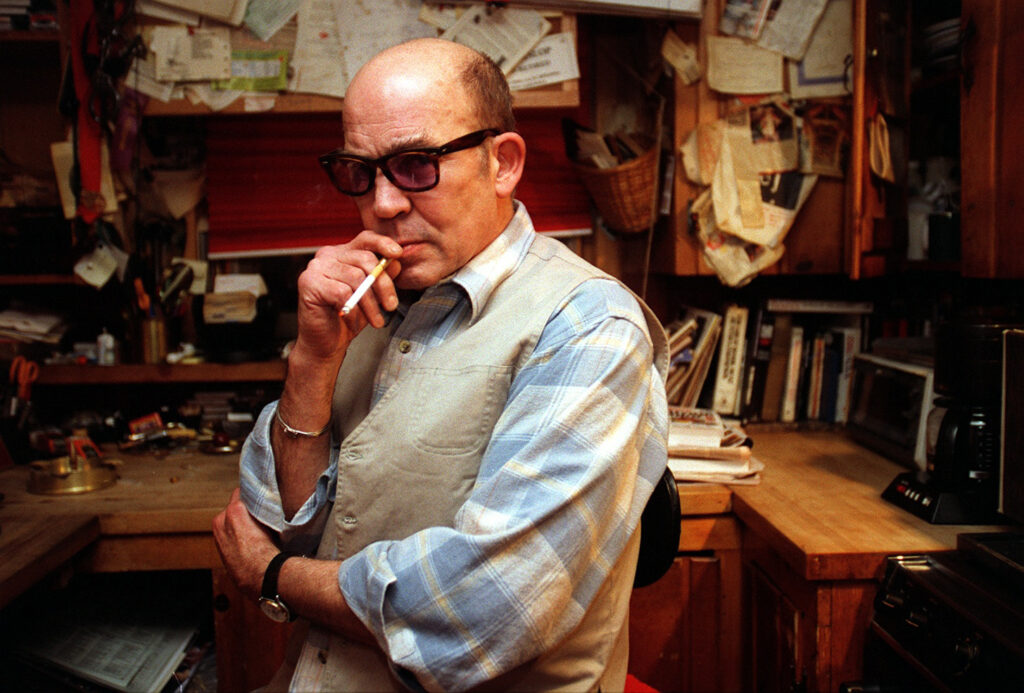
column 268, row 196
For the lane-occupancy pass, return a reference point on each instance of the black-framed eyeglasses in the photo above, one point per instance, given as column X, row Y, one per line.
column 412, row 170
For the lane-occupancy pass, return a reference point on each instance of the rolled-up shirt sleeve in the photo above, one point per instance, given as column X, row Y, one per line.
column 260, row 494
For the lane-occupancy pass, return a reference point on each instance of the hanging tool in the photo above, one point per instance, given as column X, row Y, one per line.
column 142, row 298
column 23, row 372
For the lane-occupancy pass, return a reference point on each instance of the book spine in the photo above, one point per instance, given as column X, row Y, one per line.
column 728, row 376
column 815, row 305
column 849, row 346
column 775, row 375
column 758, row 368
column 830, row 377
column 794, row 362
column 815, row 376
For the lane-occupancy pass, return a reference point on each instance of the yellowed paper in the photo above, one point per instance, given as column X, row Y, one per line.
column 62, row 154
column 681, row 56
column 738, row 67
column 503, row 34
column 185, row 54
column 553, row 60
column 790, row 28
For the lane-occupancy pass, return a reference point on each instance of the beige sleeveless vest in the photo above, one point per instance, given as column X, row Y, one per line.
column 411, row 461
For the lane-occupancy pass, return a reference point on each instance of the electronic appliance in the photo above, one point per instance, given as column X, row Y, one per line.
column 960, row 481
column 890, row 403
column 949, row 621
column 954, row 621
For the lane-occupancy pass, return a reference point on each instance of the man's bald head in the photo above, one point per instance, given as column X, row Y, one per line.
column 438, row 66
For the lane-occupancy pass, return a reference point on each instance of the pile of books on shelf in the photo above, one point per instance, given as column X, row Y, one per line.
column 23, row 15
column 702, row 446
column 801, row 363
column 784, row 360
column 692, row 340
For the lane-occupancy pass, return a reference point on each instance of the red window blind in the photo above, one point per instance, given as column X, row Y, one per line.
column 268, row 196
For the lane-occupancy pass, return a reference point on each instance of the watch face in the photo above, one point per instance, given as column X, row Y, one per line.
column 274, row 610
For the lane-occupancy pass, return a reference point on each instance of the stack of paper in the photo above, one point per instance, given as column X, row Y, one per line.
column 701, row 447
column 30, row 325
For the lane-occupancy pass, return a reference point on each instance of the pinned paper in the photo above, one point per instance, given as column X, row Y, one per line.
column 188, row 54
column 553, row 60
column 681, row 56
column 738, row 67
column 63, row 156
column 96, row 268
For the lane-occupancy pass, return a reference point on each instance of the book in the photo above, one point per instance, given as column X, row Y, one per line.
column 694, row 427
column 729, row 373
column 129, row 652
column 794, row 361
column 848, row 345
column 815, row 305
column 775, row 377
column 758, row 357
column 815, row 376
column 831, row 362
column 696, row 330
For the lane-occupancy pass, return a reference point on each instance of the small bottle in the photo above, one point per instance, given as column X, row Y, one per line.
column 105, row 348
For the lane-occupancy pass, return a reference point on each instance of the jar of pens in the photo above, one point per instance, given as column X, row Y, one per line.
column 152, row 330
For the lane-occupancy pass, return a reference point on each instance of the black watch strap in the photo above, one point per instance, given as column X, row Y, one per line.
column 269, row 590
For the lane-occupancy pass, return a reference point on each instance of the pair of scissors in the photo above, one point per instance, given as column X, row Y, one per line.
column 22, row 374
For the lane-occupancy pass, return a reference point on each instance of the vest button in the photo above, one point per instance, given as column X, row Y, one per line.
column 349, row 520
column 405, row 346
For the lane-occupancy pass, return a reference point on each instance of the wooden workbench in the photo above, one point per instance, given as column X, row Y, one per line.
column 815, row 526
column 158, row 516
column 815, row 535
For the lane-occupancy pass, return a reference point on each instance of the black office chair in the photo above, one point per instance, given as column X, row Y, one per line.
column 659, row 532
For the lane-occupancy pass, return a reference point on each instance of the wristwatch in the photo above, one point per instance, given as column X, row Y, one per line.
column 270, row 601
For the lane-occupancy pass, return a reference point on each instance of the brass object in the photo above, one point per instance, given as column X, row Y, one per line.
column 67, row 475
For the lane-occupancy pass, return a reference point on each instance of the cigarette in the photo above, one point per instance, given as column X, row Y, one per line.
column 364, row 287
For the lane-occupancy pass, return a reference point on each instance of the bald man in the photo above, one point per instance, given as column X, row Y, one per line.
column 448, row 492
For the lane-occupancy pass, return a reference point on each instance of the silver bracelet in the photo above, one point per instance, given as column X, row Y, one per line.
column 296, row 433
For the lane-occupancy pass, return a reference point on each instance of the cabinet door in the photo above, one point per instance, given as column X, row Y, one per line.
column 684, row 630
column 880, row 94
column 776, row 632
column 992, row 237
column 679, row 635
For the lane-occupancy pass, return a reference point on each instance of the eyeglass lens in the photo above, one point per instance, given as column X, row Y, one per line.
column 412, row 171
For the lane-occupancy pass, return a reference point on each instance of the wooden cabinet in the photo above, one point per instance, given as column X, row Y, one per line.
column 888, row 79
column 815, row 535
column 156, row 518
column 817, row 242
column 684, row 630
column 991, row 138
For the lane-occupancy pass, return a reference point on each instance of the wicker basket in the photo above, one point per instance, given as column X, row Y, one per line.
column 624, row 195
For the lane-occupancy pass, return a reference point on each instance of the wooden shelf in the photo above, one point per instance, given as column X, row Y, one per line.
column 134, row 374
column 33, row 279
column 32, row 35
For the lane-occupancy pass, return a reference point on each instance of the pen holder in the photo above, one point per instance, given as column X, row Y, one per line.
column 154, row 340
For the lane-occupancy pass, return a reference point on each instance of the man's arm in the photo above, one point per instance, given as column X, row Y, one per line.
column 558, row 497
column 309, row 587
column 323, row 337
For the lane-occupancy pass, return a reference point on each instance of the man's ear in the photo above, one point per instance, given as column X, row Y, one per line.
column 510, row 153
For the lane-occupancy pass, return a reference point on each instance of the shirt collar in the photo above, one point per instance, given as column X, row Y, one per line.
column 490, row 267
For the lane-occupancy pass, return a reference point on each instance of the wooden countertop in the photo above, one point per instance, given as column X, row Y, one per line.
column 177, row 494
column 819, row 505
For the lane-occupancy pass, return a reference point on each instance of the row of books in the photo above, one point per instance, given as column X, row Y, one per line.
column 784, row 360
column 22, row 15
